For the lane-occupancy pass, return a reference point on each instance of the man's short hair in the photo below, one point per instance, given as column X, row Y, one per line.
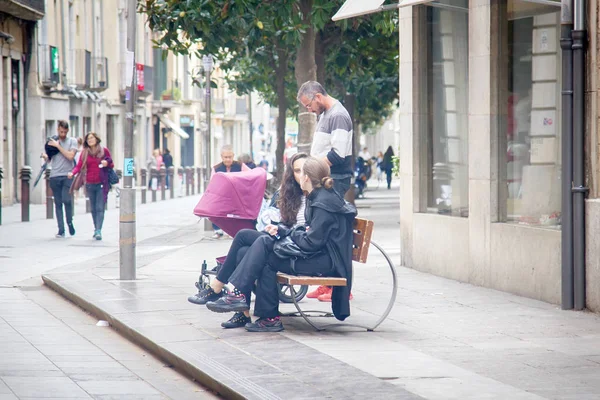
column 310, row 89
column 63, row 124
column 227, row 147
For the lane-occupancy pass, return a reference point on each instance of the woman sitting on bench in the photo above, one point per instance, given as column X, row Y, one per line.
column 330, row 236
column 290, row 204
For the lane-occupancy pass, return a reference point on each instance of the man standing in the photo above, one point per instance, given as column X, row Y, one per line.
column 61, row 164
column 227, row 164
column 333, row 141
column 333, row 135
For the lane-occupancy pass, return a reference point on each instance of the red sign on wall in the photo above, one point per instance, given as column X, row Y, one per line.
column 139, row 69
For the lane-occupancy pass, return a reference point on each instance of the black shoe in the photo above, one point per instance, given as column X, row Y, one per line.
column 265, row 325
column 229, row 303
column 71, row 229
column 239, row 320
column 204, row 296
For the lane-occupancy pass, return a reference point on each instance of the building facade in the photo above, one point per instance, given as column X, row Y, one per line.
column 17, row 31
column 66, row 60
column 481, row 144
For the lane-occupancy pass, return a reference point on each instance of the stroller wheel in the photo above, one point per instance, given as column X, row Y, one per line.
column 286, row 292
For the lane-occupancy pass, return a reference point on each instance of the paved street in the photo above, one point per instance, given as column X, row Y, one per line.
column 443, row 340
column 51, row 348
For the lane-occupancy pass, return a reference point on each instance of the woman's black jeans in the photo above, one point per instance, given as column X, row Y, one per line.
column 241, row 243
column 94, row 193
column 260, row 263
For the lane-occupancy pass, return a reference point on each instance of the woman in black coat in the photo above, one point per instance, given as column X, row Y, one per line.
column 329, row 234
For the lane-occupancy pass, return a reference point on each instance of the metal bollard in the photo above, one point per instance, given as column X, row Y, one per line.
column 171, row 173
column 153, row 175
column 1, row 175
column 192, row 180
column 199, row 177
column 25, row 176
column 49, row 195
column 144, row 184
column 163, row 182
column 187, row 181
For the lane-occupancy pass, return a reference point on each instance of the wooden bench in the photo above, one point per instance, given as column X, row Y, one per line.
column 363, row 229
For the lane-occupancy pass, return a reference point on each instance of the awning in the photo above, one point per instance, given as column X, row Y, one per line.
column 171, row 125
column 354, row 8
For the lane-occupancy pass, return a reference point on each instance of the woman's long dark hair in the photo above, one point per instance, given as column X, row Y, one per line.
column 290, row 194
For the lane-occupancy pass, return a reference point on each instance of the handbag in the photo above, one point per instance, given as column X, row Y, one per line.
column 79, row 179
column 113, row 178
column 287, row 249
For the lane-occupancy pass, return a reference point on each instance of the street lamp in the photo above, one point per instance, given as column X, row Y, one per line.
column 207, row 62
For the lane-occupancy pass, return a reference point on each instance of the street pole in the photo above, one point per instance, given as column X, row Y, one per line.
column 207, row 62
column 127, row 234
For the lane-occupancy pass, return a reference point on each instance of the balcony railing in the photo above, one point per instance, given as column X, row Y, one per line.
column 81, row 68
column 99, row 73
column 30, row 10
column 48, row 65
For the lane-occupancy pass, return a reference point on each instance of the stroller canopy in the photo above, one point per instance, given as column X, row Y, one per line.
column 235, row 195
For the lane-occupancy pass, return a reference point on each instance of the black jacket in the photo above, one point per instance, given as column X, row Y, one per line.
column 331, row 222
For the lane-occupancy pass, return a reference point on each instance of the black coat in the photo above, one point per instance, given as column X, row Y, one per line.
column 331, row 222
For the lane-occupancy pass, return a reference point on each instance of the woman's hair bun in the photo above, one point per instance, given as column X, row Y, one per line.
column 327, row 182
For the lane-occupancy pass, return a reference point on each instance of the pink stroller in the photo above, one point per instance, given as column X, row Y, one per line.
column 233, row 202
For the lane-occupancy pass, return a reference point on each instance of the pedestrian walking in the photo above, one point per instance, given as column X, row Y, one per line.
column 333, row 135
column 63, row 150
column 92, row 170
column 388, row 165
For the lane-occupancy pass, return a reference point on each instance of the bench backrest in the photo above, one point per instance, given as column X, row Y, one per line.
column 363, row 228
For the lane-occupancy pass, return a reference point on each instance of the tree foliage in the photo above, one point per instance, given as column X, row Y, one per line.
column 256, row 42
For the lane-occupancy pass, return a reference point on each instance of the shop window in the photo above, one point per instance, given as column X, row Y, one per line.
column 530, row 147
column 446, row 102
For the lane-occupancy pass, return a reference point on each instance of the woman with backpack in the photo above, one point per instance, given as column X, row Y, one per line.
column 93, row 170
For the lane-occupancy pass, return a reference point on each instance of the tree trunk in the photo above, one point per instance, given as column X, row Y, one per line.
column 282, row 107
column 320, row 58
column 306, row 70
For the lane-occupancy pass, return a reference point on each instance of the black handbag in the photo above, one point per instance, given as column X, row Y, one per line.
column 113, row 178
column 285, row 248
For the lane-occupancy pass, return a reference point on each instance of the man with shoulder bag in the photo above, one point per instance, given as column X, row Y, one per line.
column 62, row 150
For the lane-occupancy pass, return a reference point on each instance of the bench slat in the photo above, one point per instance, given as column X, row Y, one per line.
column 309, row 280
column 363, row 229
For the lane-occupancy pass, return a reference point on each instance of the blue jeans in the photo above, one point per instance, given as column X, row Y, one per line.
column 94, row 193
column 60, row 186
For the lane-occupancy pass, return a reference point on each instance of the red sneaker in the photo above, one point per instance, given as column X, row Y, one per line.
column 321, row 290
column 327, row 297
